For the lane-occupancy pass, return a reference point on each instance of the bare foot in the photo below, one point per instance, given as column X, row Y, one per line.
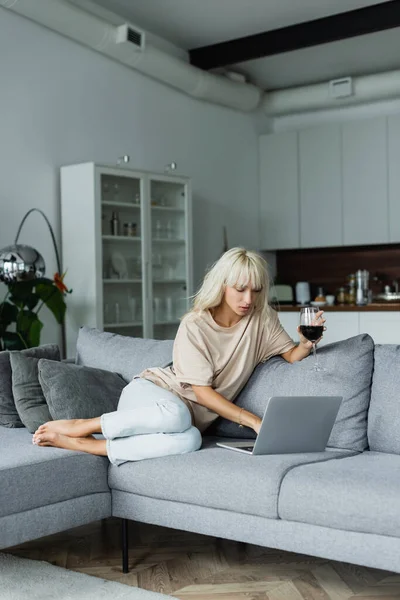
column 58, row 440
column 71, row 427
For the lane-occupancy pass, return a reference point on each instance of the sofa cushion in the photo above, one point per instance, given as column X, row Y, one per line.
column 384, row 410
column 8, row 413
column 33, row 476
column 76, row 392
column 214, row 477
column 28, row 395
column 119, row 353
column 359, row 493
column 348, row 370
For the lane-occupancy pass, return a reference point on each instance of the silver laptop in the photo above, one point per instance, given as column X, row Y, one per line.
column 292, row 424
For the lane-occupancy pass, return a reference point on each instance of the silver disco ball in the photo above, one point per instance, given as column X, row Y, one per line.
column 20, row 263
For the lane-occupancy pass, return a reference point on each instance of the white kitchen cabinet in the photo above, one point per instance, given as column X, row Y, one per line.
column 394, row 177
column 279, row 191
column 365, row 183
column 340, row 326
column 383, row 327
column 290, row 322
column 135, row 281
column 321, row 216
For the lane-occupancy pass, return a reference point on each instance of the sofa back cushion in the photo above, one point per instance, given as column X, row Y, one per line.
column 77, row 392
column 121, row 354
column 9, row 416
column 348, row 371
column 384, row 411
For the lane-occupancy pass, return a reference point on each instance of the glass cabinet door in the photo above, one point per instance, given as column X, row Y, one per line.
column 122, row 256
column 169, row 238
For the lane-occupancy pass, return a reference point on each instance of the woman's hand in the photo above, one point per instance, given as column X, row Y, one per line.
column 319, row 320
column 257, row 425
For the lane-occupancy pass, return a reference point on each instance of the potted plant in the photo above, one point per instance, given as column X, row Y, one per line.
column 20, row 324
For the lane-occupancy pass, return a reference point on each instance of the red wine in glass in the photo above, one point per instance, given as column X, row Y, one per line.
column 312, row 333
column 312, row 329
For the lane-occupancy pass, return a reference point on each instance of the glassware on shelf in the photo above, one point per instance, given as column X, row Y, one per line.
column 170, row 263
column 117, row 313
column 133, row 308
column 135, row 267
column 116, row 190
column 136, row 199
column 158, row 229
column 170, row 230
column 169, row 308
column 158, row 310
column 157, row 265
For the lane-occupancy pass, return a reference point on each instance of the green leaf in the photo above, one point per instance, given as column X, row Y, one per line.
column 29, row 327
column 8, row 313
column 32, row 301
column 12, row 341
column 21, row 291
column 24, row 320
column 34, row 333
column 53, row 299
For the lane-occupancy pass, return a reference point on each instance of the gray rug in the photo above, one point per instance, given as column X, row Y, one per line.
column 23, row 579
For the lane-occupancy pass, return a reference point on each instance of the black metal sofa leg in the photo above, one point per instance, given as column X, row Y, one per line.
column 124, row 539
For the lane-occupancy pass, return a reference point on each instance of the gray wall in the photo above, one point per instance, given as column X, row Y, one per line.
column 61, row 103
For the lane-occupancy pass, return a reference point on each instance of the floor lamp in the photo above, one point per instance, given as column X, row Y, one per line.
column 19, row 262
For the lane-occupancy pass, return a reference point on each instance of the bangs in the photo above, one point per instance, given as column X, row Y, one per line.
column 246, row 272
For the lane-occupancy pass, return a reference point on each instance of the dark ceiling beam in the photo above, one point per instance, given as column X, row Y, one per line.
column 371, row 19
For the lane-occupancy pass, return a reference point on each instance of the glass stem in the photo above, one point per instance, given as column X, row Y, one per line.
column 315, row 354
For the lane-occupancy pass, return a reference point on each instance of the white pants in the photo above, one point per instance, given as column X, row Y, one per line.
column 149, row 422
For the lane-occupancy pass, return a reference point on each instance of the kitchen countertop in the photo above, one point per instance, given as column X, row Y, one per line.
column 373, row 307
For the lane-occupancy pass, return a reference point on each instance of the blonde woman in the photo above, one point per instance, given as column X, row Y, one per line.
column 162, row 411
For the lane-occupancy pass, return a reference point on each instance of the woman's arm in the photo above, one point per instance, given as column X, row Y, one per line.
column 304, row 348
column 212, row 400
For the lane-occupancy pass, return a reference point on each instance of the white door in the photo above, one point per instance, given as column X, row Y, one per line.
column 383, row 327
column 394, row 177
column 365, row 185
column 122, row 204
column 170, row 254
column 279, row 193
column 320, row 187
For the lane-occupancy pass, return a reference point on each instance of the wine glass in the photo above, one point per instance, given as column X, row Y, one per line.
column 312, row 329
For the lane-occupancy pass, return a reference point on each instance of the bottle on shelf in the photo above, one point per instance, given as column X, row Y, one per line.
column 114, row 223
column 130, row 229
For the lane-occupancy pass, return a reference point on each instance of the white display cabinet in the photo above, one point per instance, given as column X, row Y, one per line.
column 127, row 247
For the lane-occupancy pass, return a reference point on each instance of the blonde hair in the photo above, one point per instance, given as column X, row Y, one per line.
column 237, row 266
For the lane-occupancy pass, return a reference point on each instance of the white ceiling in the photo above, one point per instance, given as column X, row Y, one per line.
column 193, row 23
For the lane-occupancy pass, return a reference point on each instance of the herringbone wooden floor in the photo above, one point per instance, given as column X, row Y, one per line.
column 198, row 567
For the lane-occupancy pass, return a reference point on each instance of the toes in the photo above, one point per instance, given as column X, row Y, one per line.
column 44, row 439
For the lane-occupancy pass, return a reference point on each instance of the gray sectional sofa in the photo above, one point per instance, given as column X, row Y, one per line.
column 342, row 504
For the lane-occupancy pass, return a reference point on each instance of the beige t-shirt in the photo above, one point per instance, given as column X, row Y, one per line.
column 207, row 354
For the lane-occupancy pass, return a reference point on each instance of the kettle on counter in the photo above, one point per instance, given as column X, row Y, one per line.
column 303, row 292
